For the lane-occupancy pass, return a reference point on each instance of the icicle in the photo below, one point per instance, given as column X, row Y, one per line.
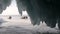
column 4, row 4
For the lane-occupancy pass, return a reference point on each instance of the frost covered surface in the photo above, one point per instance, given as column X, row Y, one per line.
column 23, row 26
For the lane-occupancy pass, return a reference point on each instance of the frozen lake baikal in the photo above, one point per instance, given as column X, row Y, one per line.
column 16, row 25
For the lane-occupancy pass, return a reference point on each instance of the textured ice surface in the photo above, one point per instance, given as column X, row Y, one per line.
column 24, row 26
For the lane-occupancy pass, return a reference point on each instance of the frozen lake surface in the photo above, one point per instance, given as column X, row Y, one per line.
column 16, row 25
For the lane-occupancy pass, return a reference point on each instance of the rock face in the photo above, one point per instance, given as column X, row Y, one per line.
column 4, row 4
column 41, row 10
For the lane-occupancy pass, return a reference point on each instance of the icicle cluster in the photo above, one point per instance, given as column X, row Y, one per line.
column 41, row 10
column 38, row 10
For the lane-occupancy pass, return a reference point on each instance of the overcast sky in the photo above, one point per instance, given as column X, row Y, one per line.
column 12, row 9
